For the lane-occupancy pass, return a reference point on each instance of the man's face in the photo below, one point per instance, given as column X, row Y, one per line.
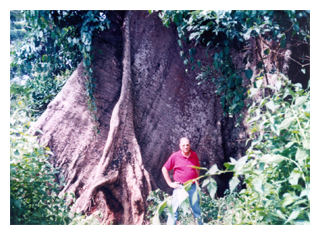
column 185, row 145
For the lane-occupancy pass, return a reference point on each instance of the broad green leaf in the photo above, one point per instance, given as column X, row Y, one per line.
column 278, row 85
column 17, row 203
column 248, row 73
column 205, row 182
column 305, row 192
column 275, row 128
column 266, row 52
column 294, row 214
column 241, row 161
column 286, row 123
column 258, row 83
column 297, row 186
column 254, row 118
column 288, row 145
column 213, row 169
column 221, row 54
column 301, row 155
column 198, row 189
column 267, row 158
column 279, row 213
column 212, row 187
column 187, row 185
column 181, row 195
column 257, row 185
column 239, row 165
column 270, row 105
column 299, row 202
column 261, row 166
column 283, row 43
column 185, row 206
column 299, row 101
column 257, row 141
column 155, row 219
column 287, row 200
column 194, row 197
column 305, row 143
column 229, row 166
column 162, row 206
column 287, row 92
column 233, row 183
column 294, row 176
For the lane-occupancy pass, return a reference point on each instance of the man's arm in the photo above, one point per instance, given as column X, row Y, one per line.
column 168, row 180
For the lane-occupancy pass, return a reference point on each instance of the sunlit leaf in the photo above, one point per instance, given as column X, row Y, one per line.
column 267, row 158
column 233, row 183
column 286, row 123
column 295, row 213
column 302, row 99
column 212, row 187
column 257, row 185
column 294, row 176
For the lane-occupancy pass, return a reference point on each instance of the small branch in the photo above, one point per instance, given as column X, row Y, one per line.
column 241, row 140
column 302, row 65
column 265, row 42
column 289, row 28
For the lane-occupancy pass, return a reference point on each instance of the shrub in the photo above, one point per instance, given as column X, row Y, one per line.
column 33, row 186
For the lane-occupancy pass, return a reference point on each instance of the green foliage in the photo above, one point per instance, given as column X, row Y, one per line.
column 159, row 205
column 222, row 31
column 276, row 167
column 33, row 184
column 155, row 198
column 277, row 174
column 17, row 26
column 58, row 41
column 85, row 220
column 37, row 93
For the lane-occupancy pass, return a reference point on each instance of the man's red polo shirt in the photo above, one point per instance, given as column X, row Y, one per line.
column 180, row 165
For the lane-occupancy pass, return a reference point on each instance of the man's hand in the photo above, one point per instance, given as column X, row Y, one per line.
column 168, row 180
column 174, row 184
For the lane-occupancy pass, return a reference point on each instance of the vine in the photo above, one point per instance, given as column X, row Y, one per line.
column 222, row 31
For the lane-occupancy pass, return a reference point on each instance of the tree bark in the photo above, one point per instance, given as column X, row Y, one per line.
column 146, row 102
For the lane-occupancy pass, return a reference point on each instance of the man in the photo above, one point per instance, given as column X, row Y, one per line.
column 180, row 162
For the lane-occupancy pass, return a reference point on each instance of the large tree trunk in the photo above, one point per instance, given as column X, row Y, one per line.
column 146, row 103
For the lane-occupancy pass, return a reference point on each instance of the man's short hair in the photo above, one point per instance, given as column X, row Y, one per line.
column 184, row 138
